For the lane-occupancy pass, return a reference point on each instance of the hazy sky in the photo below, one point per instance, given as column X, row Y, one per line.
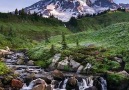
column 10, row 5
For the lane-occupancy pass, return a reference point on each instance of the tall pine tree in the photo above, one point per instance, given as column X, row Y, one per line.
column 64, row 44
column 16, row 11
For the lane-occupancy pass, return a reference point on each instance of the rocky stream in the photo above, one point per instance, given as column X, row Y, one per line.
column 31, row 77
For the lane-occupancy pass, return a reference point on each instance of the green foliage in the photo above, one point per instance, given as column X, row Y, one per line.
column 66, row 68
column 23, row 31
column 46, row 36
column 98, row 22
column 114, row 65
column 127, row 66
column 115, row 79
column 43, row 63
column 3, row 69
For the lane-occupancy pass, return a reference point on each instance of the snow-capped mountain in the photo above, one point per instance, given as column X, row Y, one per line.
column 65, row 9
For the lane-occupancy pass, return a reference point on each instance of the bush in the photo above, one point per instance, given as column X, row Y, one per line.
column 3, row 69
column 115, row 79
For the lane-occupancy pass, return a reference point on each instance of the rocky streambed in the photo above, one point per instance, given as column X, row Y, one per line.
column 31, row 77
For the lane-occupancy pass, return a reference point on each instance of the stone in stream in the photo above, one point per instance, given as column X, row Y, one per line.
column 57, row 75
column 38, row 84
column 1, row 88
column 72, row 83
column 91, row 88
column 20, row 62
column 30, row 63
column 16, row 84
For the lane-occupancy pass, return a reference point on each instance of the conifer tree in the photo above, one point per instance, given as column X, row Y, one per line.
column 16, row 12
column 64, row 44
column 1, row 29
column 52, row 50
column 46, row 36
column 77, row 42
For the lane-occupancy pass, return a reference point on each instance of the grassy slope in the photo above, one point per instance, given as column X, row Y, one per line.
column 101, row 21
column 27, row 32
column 114, row 38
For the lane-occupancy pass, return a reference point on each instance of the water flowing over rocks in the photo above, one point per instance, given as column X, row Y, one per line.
column 31, row 77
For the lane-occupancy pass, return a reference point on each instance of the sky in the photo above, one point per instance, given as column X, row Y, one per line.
column 11, row 5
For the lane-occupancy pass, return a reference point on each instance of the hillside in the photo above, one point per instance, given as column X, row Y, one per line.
column 103, row 49
column 99, row 21
column 25, row 30
column 112, row 38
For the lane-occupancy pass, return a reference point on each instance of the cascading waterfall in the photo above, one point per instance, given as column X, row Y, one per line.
column 64, row 84
column 83, row 85
column 28, row 87
column 103, row 83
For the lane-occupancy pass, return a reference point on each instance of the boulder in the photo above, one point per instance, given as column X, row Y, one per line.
column 57, row 75
column 74, row 65
column 48, row 81
column 124, row 73
column 2, row 59
column 1, row 88
column 72, row 84
column 118, row 59
column 87, row 68
column 16, row 73
column 80, row 68
column 17, row 84
column 20, row 62
column 62, row 64
column 54, row 61
column 39, row 87
column 30, row 63
column 91, row 88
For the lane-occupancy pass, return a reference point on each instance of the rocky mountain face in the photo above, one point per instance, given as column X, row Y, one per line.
column 124, row 5
column 106, row 3
column 65, row 9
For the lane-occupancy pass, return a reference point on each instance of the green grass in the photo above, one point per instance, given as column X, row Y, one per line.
column 100, row 21
column 27, row 33
column 112, row 37
column 3, row 69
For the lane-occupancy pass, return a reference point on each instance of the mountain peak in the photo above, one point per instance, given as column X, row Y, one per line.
column 65, row 9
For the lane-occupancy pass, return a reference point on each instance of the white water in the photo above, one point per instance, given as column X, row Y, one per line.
column 29, row 87
column 103, row 83
column 84, row 84
column 65, row 82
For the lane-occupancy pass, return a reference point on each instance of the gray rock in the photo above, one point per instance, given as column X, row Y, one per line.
column 20, row 62
column 63, row 64
column 31, row 63
column 118, row 59
column 80, row 69
column 74, row 64
column 55, row 59
column 124, row 73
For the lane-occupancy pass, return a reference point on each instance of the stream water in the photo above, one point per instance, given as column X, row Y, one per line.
column 25, row 70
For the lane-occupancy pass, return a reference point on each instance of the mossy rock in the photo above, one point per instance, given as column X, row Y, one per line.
column 117, row 81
